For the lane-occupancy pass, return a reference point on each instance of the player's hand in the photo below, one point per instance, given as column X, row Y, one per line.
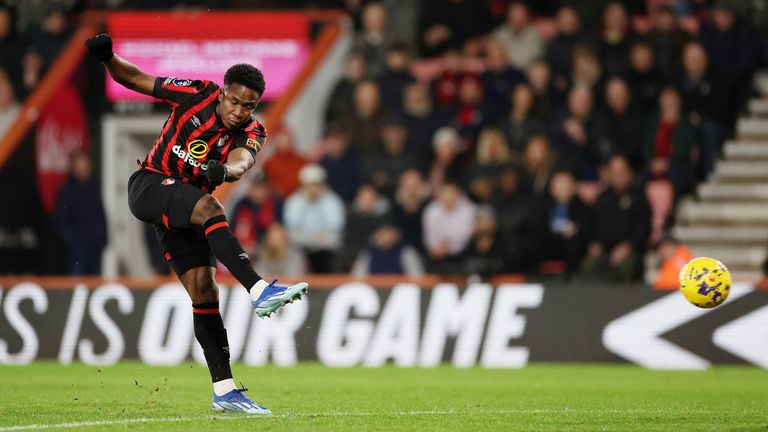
column 216, row 172
column 101, row 47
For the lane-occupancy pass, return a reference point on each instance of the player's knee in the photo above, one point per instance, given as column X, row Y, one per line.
column 204, row 291
column 206, row 208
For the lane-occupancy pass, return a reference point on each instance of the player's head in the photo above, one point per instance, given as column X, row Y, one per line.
column 243, row 87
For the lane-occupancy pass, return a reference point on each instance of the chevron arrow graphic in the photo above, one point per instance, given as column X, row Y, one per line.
column 746, row 337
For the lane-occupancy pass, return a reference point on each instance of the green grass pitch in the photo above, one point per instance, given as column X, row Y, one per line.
column 131, row 396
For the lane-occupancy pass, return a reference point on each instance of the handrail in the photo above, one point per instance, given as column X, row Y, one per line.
column 59, row 71
column 276, row 111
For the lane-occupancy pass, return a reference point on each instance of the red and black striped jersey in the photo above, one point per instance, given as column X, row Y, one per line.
column 193, row 134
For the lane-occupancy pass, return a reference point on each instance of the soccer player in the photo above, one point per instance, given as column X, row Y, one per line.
column 210, row 137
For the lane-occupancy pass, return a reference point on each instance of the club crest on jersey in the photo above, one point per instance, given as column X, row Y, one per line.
column 168, row 181
column 198, row 149
column 222, row 141
column 195, row 121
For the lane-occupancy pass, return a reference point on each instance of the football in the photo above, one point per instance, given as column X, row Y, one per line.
column 705, row 282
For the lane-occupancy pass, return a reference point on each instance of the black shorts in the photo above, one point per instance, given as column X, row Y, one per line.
column 167, row 204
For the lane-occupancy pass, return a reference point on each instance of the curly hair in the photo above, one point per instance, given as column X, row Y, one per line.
column 247, row 75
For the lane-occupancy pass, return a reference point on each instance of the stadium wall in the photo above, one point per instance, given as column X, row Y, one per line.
column 356, row 323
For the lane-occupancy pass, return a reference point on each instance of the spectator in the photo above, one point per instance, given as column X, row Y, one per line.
column 668, row 143
column 9, row 107
column 622, row 224
column 518, row 37
column 512, row 204
column 282, row 168
column 254, row 213
column 520, row 123
column 314, row 217
column 484, row 255
column 706, row 100
column 367, row 212
column 447, row 224
column 80, row 217
column 499, row 78
column 277, row 256
column 446, row 166
column 341, row 101
column 667, row 40
column 492, row 153
column 373, row 39
column 473, row 111
column 644, row 80
column 587, row 71
column 410, row 200
column 47, row 43
column 559, row 224
column 395, row 76
column 388, row 254
column 539, row 163
column 545, row 96
column 559, row 52
column 617, row 126
column 341, row 163
column 420, row 121
column 572, row 131
column 364, row 124
column 446, row 86
column 616, row 37
column 730, row 48
column 383, row 168
column 12, row 48
column 448, row 24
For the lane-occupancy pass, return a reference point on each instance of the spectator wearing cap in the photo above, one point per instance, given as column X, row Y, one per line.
column 448, row 224
column 410, row 199
column 446, row 165
column 80, row 217
column 384, row 167
column 283, row 166
column 518, row 37
column 255, row 212
column 314, row 217
column 341, row 101
column 395, row 77
column 622, row 225
column 520, row 122
column 9, row 106
column 499, row 77
column 668, row 143
column 277, row 257
column 559, row 224
column 618, row 124
column 484, row 255
column 387, row 253
column 340, row 162
column 364, row 215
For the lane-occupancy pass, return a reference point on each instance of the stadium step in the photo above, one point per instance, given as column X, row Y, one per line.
column 736, row 258
column 737, row 171
column 758, row 107
column 750, row 150
column 736, row 213
column 719, row 235
column 733, row 191
column 752, row 128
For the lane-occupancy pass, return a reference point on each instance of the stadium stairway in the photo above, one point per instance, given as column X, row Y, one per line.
column 728, row 217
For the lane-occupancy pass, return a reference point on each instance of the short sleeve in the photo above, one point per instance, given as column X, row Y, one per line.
column 177, row 91
column 252, row 138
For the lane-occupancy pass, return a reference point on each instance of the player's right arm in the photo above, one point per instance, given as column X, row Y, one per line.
column 121, row 70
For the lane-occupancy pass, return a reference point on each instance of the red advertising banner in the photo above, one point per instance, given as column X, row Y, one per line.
column 204, row 45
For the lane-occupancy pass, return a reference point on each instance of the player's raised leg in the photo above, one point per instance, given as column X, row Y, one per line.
column 266, row 297
column 212, row 336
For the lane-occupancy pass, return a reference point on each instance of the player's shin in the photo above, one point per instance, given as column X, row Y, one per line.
column 227, row 249
column 210, row 333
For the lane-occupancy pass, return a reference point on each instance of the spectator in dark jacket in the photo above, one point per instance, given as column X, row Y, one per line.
column 388, row 254
column 80, row 217
column 644, row 80
column 384, row 167
column 410, row 198
column 622, row 224
column 363, row 126
column 499, row 77
column 484, row 255
column 421, row 121
column 341, row 101
column 519, row 123
column 341, row 163
column 559, row 51
column 560, row 224
column 450, row 23
column 667, row 40
column 254, row 213
column 395, row 77
column 572, row 130
column 367, row 212
column 372, row 41
column 616, row 36
column 618, row 127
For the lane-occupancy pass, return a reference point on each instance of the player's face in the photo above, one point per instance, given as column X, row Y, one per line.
column 236, row 103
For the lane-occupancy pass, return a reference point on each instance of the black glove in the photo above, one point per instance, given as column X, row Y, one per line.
column 216, row 172
column 101, row 47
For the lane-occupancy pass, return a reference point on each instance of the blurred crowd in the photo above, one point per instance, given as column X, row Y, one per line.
column 485, row 137
column 467, row 139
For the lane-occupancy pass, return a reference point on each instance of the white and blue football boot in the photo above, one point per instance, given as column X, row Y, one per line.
column 275, row 297
column 236, row 402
